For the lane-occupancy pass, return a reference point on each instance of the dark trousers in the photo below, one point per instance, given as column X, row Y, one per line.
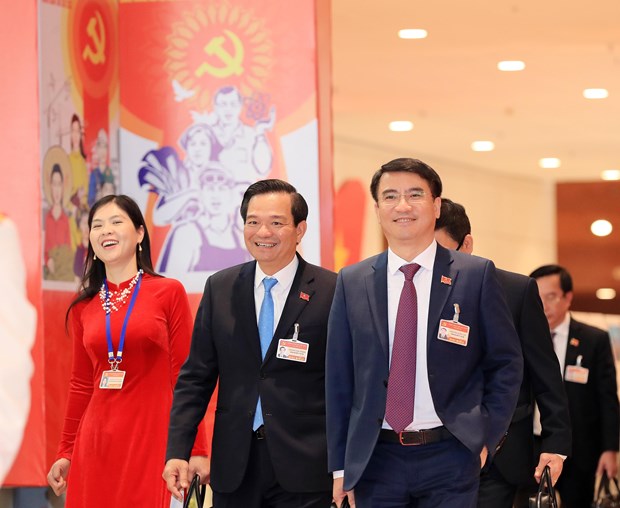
column 438, row 475
column 495, row 491
column 260, row 488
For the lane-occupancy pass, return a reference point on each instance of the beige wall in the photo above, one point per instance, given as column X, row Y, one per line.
column 513, row 218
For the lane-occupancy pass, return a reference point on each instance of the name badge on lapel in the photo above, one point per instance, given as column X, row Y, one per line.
column 453, row 331
column 293, row 349
column 577, row 373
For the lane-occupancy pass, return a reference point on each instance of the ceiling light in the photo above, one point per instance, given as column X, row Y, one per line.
column 511, row 65
column 595, row 93
column 482, row 146
column 606, row 293
column 611, row 174
column 412, row 33
column 549, row 163
column 601, row 227
column 401, row 126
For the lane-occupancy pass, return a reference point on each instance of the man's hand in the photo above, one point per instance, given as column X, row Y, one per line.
column 483, row 457
column 57, row 477
column 175, row 476
column 339, row 493
column 608, row 463
column 200, row 465
column 555, row 463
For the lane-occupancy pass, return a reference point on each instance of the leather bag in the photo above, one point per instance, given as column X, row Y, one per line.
column 545, row 497
column 195, row 491
column 605, row 498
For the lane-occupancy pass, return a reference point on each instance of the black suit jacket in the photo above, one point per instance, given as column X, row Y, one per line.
column 542, row 383
column 226, row 347
column 593, row 406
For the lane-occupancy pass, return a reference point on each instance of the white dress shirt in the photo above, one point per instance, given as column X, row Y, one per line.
column 279, row 291
column 560, row 341
column 424, row 414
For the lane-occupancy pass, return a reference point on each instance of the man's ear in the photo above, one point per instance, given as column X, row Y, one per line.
column 468, row 245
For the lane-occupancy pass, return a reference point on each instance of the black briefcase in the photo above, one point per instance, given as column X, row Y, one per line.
column 195, row 491
column 545, row 497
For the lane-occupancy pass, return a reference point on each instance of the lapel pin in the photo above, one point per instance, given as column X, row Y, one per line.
column 574, row 342
column 446, row 280
column 304, row 296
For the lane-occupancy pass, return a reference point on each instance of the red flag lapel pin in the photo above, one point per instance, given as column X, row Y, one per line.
column 574, row 342
column 304, row 296
column 446, row 280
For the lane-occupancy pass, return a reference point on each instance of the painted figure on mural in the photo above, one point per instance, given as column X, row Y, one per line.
column 101, row 181
column 81, row 217
column 57, row 250
column 196, row 195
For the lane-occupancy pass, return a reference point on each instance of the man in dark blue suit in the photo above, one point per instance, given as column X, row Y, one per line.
column 516, row 463
column 465, row 385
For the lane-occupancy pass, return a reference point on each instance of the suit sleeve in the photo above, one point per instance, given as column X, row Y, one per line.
column 544, row 374
column 502, row 363
column 180, row 332
column 195, row 384
column 339, row 378
column 607, row 394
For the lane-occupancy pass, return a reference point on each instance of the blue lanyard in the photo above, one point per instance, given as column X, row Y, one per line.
column 115, row 360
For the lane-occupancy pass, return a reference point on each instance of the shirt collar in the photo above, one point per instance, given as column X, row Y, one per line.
column 285, row 276
column 426, row 259
column 562, row 328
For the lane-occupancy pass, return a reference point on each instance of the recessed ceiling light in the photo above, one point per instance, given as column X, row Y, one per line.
column 511, row 65
column 482, row 146
column 595, row 93
column 601, row 227
column 412, row 33
column 549, row 163
column 611, row 174
column 401, row 126
column 606, row 293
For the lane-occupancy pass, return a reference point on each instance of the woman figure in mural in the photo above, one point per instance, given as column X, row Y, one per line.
column 101, row 174
column 57, row 249
column 212, row 240
column 114, row 438
column 242, row 149
column 77, row 158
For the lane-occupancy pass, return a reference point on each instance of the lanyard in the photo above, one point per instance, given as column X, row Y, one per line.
column 115, row 360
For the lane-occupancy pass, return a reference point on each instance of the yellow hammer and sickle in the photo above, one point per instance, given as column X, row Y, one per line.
column 232, row 63
column 96, row 31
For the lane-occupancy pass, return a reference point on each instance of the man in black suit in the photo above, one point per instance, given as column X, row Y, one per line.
column 269, row 445
column 587, row 362
column 515, row 463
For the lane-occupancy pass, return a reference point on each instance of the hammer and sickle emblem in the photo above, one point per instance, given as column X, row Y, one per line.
column 96, row 31
column 232, row 62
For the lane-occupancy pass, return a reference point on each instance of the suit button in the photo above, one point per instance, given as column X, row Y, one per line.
column 250, row 413
column 385, row 383
column 380, row 421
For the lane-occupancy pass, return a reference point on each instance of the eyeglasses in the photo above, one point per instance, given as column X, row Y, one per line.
column 393, row 198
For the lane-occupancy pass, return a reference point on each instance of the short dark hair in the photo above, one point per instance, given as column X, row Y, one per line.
column 299, row 207
column 453, row 219
column 406, row 165
column 566, row 281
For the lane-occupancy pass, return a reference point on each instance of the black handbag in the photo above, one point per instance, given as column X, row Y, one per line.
column 195, row 491
column 545, row 497
column 345, row 503
column 604, row 497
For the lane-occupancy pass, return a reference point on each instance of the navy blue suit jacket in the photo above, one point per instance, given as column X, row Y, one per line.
column 474, row 388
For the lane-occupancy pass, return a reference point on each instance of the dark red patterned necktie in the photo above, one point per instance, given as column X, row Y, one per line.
column 401, row 383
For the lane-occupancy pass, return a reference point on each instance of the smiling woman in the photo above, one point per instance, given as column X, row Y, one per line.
column 129, row 375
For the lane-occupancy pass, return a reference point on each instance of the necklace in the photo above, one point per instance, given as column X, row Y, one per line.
column 113, row 300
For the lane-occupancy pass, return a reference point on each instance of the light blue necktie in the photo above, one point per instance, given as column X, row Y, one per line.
column 265, row 330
